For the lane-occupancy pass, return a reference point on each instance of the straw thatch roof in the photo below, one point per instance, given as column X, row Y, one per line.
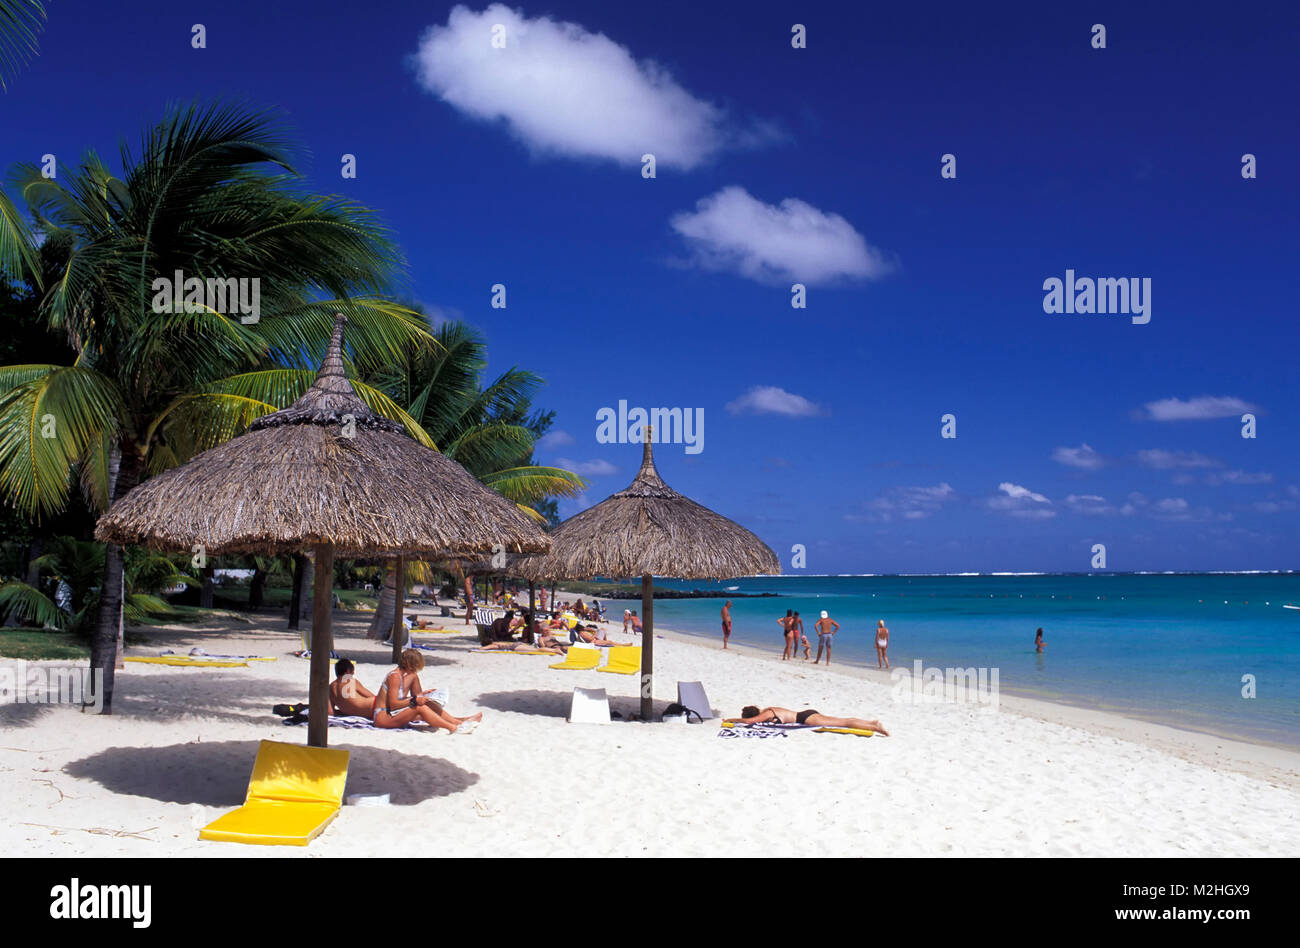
column 650, row 528
column 294, row 480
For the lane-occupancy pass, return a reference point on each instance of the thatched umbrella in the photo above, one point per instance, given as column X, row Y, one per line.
column 326, row 473
column 648, row 530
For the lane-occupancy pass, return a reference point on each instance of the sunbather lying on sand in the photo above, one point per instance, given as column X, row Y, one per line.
column 402, row 701
column 535, row 646
column 348, row 697
column 591, row 635
column 752, row 715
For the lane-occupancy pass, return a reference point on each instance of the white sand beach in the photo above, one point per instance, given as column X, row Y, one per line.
column 1030, row 779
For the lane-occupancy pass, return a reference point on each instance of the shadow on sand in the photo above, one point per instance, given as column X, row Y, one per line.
column 384, row 656
column 555, row 704
column 21, row 715
column 216, row 773
column 226, row 695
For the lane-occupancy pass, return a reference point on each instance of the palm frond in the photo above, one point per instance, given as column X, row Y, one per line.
column 530, row 485
column 20, row 21
column 28, row 604
column 46, row 426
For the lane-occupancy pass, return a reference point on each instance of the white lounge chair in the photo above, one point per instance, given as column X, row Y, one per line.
column 590, row 706
column 690, row 694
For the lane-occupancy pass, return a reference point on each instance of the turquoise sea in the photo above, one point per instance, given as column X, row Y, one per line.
column 1171, row 648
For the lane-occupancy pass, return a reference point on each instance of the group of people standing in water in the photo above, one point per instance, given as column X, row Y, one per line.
column 792, row 630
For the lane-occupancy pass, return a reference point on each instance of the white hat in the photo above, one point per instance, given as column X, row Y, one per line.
column 825, row 614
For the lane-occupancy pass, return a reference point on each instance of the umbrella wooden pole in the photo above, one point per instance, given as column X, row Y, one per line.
column 399, row 608
column 532, row 604
column 647, row 646
column 322, row 641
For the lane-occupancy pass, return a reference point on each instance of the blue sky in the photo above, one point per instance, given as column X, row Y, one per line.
column 821, row 165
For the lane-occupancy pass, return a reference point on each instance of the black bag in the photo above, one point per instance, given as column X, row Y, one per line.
column 675, row 709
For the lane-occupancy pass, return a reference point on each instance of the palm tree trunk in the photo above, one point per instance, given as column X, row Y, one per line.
column 382, row 624
column 257, row 588
column 295, row 598
column 205, row 591
column 124, row 472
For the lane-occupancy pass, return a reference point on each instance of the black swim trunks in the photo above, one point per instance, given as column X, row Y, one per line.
column 803, row 716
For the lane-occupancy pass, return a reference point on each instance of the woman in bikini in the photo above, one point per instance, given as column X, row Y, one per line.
column 882, row 644
column 401, row 700
column 752, row 715
column 787, row 629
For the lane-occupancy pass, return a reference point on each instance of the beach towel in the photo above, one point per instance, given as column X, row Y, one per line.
column 199, row 653
column 182, row 661
column 507, row 651
column 348, row 723
column 751, row 730
column 761, row 730
column 860, row 732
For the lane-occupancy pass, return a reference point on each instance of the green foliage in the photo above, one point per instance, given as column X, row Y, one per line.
column 209, row 192
column 20, row 21
column 66, row 596
column 490, row 430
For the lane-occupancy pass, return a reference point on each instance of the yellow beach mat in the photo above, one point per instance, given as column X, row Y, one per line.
column 860, row 732
column 186, row 661
column 468, row 630
column 293, row 795
column 509, row 651
column 623, row 660
column 580, row 659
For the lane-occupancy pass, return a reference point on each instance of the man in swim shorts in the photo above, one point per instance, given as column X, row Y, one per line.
column 826, row 628
column 726, row 623
column 753, row 715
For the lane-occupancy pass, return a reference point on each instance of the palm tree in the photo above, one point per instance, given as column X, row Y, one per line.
column 69, row 600
column 211, row 194
column 20, row 21
column 490, row 430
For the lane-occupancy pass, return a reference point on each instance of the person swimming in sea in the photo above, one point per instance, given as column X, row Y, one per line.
column 751, row 714
column 1039, row 644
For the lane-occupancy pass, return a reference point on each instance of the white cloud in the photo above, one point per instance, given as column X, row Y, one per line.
column 1205, row 408
column 563, row 90
column 1162, row 460
column 770, row 400
column 594, row 468
column 1169, row 508
column 1089, row 504
column 910, row 503
column 1219, row 478
column 1021, row 502
column 555, row 439
column 1082, row 457
column 792, row 241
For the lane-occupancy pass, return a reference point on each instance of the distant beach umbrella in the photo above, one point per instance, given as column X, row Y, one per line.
column 327, row 474
column 648, row 530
